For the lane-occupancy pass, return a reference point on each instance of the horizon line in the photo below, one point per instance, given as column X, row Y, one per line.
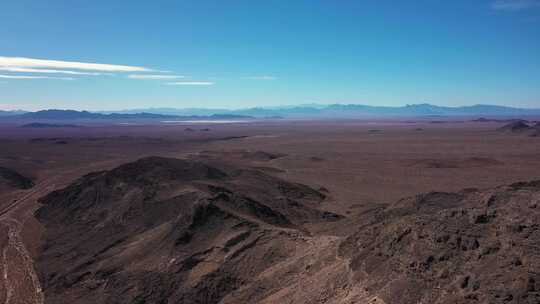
column 270, row 107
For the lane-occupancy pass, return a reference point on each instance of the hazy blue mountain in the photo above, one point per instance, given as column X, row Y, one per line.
column 351, row 111
column 39, row 125
column 61, row 114
column 428, row 109
column 86, row 115
column 301, row 111
column 11, row 113
column 171, row 111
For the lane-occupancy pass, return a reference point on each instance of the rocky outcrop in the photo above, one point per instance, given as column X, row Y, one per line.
column 468, row 247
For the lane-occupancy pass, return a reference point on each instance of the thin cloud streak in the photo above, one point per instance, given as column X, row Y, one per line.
column 514, row 5
column 34, row 77
column 47, row 71
column 191, row 83
column 149, row 76
column 21, row 62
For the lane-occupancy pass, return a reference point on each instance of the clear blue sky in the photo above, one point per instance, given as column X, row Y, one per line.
column 235, row 54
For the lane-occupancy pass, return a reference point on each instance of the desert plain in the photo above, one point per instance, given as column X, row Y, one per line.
column 343, row 181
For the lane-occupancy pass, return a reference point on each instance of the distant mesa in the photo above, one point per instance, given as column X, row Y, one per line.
column 39, row 125
column 13, row 179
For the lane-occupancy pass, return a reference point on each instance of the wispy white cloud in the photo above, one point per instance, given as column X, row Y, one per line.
column 153, row 76
column 191, row 83
column 514, row 5
column 47, row 71
column 264, row 77
column 21, row 62
column 34, row 77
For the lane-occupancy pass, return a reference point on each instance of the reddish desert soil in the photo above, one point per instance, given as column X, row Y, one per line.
column 360, row 173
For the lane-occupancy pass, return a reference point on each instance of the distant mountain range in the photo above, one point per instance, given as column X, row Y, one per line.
column 86, row 115
column 301, row 111
column 350, row 111
column 72, row 114
column 40, row 125
column 11, row 113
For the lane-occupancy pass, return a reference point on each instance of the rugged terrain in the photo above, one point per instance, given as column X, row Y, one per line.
column 474, row 246
column 168, row 230
column 112, row 217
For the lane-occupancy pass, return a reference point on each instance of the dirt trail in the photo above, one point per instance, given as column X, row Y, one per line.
column 19, row 278
column 27, row 273
column 8, row 289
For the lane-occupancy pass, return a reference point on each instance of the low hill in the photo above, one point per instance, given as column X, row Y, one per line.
column 518, row 126
column 164, row 230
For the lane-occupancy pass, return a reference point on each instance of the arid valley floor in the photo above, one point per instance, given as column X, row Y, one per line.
column 270, row 212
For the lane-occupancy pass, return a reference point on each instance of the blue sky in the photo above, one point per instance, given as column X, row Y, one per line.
column 232, row 54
